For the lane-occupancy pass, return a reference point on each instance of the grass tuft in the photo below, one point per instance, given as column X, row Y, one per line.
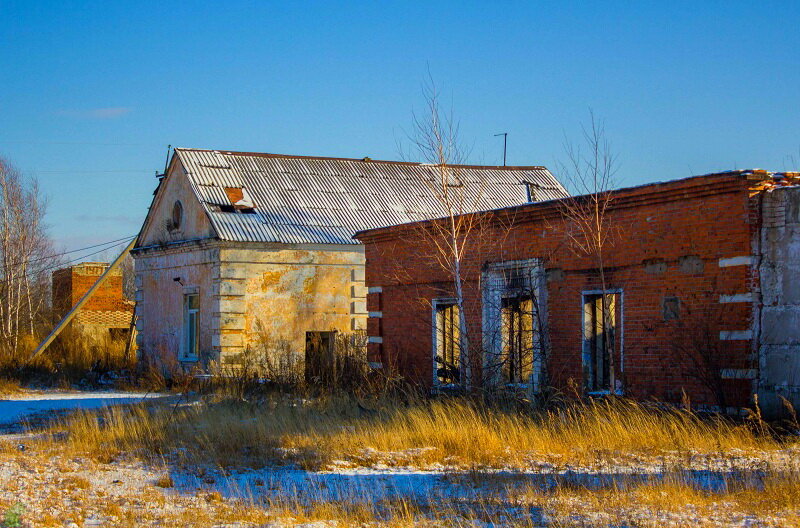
column 454, row 432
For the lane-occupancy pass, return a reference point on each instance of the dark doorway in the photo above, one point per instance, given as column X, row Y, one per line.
column 599, row 340
column 320, row 362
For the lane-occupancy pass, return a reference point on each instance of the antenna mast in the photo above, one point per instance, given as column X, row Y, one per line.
column 166, row 163
column 505, row 145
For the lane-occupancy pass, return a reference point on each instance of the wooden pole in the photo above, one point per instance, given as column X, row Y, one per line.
column 86, row 296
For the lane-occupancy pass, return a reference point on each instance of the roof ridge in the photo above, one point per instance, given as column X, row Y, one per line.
column 363, row 160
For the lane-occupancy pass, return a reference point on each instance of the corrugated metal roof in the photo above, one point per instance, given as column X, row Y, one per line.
column 301, row 199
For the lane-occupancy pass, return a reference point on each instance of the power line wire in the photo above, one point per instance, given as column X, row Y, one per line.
column 107, row 246
column 78, row 171
column 109, row 243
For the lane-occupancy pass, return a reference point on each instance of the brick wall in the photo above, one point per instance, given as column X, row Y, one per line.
column 689, row 239
column 108, row 307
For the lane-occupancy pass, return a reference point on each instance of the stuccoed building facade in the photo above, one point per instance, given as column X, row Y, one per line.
column 240, row 250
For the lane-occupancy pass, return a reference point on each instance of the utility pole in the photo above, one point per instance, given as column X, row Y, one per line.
column 505, row 145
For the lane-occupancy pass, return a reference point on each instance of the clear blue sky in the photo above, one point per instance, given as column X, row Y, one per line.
column 91, row 93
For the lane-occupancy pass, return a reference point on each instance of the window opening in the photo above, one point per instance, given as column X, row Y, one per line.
column 191, row 326
column 600, row 329
column 518, row 343
column 177, row 216
column 448, row 349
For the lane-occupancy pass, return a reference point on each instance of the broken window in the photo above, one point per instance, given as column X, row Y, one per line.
column 513, row 347
column 191, row 326
column 517, row 328
column 448, row 349
column 599, row 336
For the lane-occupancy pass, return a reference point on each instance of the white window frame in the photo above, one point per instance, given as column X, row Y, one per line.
column 185, row 353
column 620, row 330
column 492, row 301
column 435, row 304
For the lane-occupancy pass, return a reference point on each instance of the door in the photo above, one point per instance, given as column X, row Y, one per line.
column 320, row 368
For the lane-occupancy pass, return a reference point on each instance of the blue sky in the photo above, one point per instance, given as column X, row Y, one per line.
column 91, row 93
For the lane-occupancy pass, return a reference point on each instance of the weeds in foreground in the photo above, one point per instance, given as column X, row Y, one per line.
column 12, row 517
column 73, row 359
column 454, row 432
column 9, row 387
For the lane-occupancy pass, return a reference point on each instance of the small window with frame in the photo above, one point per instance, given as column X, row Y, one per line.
column 447, row 359
column 191, row 327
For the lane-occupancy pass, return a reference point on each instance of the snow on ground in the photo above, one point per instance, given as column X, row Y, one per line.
column 20, row 407
column 108, row 492
column 394, row 483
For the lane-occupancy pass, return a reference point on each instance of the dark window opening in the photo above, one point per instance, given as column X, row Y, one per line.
column 177, row 216
column 448, row 349
column 518, row 342
column 671, row 307
column 600, row 329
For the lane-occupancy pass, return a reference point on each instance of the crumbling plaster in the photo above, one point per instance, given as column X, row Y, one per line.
column 250, row 295
column 272, row 294
column 779, row 270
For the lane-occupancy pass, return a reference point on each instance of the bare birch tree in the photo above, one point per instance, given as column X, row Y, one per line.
column 435, row 141
column 25, row 258
column 589, row 173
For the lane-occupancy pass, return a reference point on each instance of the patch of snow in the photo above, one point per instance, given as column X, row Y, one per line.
column 19, row 407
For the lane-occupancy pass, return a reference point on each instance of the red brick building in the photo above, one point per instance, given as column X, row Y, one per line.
column 684, row 270
column 107, row 312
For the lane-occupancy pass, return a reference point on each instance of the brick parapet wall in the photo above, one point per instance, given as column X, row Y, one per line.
column 107, row 306
column 670, row 240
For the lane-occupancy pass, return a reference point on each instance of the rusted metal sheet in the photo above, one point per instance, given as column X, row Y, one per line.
column 300, row 199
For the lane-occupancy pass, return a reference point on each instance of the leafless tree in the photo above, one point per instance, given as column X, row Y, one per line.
column 26, row 257
column 589, row 173
column 698, row 351
column 434, row 139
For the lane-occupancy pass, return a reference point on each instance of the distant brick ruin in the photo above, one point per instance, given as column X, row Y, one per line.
column 107, row 313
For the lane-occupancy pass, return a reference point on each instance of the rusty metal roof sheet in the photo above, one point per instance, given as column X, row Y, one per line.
column 302, row 199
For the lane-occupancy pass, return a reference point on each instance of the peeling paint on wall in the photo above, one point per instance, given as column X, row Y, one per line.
column 248, row 296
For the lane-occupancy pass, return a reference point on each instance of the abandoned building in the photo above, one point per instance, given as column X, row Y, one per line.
column 245, row 250
column 701, row 297
column 107, row 313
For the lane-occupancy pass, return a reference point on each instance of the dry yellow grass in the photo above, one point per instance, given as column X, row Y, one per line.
column 455, row 432
column 673, row 501
column 9, row 387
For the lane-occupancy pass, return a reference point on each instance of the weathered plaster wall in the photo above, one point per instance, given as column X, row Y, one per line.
column 780, row 290
column 159, row 297
column 195, row 223
column 274, row 294
column 249, row 294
